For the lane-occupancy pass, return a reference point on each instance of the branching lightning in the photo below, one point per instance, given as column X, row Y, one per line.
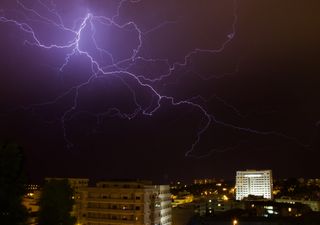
column 121, row 68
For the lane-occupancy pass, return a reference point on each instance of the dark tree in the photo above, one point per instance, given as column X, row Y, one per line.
column 12, row 185
column 56, row 203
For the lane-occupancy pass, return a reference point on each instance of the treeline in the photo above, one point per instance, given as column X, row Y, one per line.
column 56, row 199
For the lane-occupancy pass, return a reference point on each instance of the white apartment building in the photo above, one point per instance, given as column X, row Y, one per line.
column 124, row 202
column 254, row 182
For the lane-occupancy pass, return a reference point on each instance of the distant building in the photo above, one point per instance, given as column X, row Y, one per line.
column 32, row 187
column 223, row 206
column 122, row 202
column 315, row 182
column 255, row 183
column 274, row 209
column 31, row 201
column 313, row 205
column 205, row 181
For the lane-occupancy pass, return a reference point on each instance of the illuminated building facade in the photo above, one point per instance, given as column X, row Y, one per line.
column 117, row 202
column 255, row 183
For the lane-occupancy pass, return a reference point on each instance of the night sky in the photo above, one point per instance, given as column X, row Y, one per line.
column 163, row 90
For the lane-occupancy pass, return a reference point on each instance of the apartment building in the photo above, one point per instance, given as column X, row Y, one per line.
column 124, row 202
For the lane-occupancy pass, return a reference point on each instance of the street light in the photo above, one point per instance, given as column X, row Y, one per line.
column 235, row 222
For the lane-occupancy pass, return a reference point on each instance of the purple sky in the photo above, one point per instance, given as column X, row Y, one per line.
column 161, row 89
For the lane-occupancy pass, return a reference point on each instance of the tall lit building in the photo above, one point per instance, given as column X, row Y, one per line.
column 121, row 202
column 254, row 182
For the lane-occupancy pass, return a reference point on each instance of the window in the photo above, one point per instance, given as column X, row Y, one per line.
column 137, row 197
column 137, row 207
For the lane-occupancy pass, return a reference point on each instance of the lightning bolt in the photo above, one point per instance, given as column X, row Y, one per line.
column 121, row 69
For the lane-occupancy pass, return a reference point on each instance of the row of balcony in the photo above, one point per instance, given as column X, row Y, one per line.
column 114, row 200
column 112, row 221
column 114, row 211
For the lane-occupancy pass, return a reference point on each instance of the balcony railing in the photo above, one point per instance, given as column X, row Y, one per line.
column 114, row 200
column 114, row 211
column 112, row 221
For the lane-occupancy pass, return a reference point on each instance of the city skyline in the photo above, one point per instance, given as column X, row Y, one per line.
column 142, row 201
column 161, row 90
